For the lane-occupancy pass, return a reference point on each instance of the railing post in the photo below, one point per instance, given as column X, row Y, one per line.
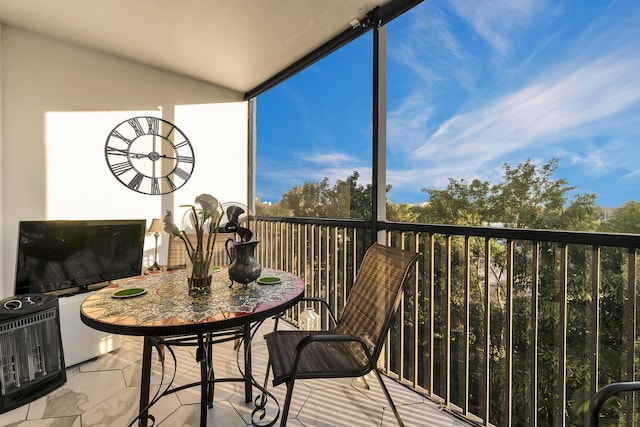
column 447, row 325
column 487, row 333
column 595, row 320
column 431, row 286
column 508, row 389
column 535, row 292
column 560, row 407
column 467, row 317
column 629, row 339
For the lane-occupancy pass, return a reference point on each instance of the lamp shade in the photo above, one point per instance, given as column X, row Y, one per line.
column 156, row 226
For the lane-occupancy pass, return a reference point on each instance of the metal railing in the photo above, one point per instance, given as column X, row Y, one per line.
column 501, row 326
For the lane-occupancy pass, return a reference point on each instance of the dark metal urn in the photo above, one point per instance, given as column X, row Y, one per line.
column 244, row 267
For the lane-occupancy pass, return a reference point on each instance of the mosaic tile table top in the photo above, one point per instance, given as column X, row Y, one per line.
column 166, row 307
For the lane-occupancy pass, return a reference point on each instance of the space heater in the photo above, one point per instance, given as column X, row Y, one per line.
column 31, row 355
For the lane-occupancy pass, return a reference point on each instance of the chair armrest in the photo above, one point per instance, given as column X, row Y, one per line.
column 324, row 337
column 606, row 392
column 310, row 299
column 328, row 337
column 326, row 305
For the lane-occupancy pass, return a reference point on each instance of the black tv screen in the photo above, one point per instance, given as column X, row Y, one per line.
column 60, row 256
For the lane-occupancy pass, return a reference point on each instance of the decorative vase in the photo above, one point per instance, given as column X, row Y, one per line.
column 198, row 274
column 244, row 267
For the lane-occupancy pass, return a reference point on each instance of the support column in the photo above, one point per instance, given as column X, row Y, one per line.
column 379, row 170
column 251, row 154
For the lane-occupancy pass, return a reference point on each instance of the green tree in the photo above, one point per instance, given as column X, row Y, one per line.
column 310, row 200
column 403, row 212
column 626, row 219
column 529, row 195
column 272, row 209
column 346, row 199
column 460, row 203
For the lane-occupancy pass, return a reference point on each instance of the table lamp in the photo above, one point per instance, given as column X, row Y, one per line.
column 155, row 228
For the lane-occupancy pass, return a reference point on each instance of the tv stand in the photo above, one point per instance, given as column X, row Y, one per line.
column 80, row 342
column 68, row 292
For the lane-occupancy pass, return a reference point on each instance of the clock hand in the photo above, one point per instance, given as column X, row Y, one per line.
column 153, row 155
column 118, row 152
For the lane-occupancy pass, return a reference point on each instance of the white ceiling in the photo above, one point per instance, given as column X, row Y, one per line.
column 237, row 44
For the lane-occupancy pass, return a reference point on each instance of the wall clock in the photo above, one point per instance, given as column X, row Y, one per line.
column 149, row 155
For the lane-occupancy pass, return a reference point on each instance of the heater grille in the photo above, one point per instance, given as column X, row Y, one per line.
column 31, row 357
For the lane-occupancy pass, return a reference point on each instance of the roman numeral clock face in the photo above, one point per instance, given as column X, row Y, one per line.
column 149, row 155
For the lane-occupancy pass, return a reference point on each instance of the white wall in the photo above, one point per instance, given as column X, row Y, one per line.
column 2, row 276
column 60, row 101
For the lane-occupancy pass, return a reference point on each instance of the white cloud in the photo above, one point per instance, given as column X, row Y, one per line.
column 541, row 113
column 408, row 123
column 498, row 21
column 332, row 158
column 432, row 50
column 301, row 168
column 597, row 81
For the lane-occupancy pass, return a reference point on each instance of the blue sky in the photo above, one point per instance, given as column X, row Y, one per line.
column 470, row 88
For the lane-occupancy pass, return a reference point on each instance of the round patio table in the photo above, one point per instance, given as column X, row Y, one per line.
column 166, row 310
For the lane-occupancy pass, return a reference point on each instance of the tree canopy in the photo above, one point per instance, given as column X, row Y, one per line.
column 528, row 196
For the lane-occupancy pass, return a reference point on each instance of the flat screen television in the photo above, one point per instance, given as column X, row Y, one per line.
column 66, row 257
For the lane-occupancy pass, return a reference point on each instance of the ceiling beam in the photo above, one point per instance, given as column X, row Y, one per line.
column 380, row 15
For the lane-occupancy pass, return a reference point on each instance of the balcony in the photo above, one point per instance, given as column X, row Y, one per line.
column 561, row 324
column 500, row 326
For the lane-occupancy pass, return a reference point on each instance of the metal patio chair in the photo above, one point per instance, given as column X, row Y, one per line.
column 352, row 347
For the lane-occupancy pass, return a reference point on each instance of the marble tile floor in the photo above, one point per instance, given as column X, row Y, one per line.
column 104, row 392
